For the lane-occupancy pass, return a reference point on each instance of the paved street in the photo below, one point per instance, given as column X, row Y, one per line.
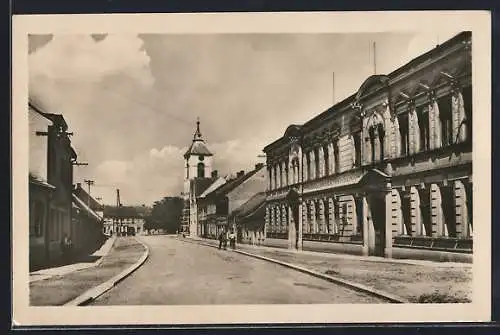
column 180, row 273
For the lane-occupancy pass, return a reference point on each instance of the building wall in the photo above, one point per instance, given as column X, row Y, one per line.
column 414, row 128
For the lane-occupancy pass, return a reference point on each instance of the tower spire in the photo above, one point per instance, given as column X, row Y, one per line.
column 197, row 134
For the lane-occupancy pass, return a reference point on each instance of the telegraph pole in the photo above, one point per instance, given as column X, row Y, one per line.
column 88, row 182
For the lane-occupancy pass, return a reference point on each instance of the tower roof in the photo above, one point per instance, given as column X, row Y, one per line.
column 198, row 146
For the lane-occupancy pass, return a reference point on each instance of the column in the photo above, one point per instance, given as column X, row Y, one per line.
column 270, row 175
column 313, row 164
column 286, row 170
column 284, row 221
column 313, row 223
column 388, row 222
column 291, row 229
column 331, row 159
column 416, row 220
column 436, row 213
column 305, row 157
column 458, row 115
column 305, row 218
column 321, row 225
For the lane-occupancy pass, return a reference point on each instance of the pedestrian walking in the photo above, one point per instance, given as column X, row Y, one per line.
column 232, row 240
column 221, row 239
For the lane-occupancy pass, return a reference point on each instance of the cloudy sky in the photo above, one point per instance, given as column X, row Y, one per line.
column 132, row 100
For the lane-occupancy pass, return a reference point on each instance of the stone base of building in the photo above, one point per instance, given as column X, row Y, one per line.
column 276, row 243
column 431, row 255
column 333, row 247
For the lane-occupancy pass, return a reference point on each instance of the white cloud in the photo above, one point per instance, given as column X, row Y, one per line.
column 159, row 172
column 425, row 41
column 81, row 58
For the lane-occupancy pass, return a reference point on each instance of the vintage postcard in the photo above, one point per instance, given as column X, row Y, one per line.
column 251, row 168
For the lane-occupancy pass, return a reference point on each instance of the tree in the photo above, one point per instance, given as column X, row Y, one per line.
column 165, row 214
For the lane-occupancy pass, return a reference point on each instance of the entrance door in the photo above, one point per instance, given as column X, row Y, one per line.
column 378, row 218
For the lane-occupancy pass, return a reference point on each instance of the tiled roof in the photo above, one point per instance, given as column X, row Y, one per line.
column 251, row 205
column 217, row 183
column 232, row 184
column 198, row 148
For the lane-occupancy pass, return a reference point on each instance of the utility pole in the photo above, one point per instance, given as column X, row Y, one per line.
column 374, row 58
column 88, row 182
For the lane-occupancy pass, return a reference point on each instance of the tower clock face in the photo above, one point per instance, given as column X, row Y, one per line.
column 201, row 158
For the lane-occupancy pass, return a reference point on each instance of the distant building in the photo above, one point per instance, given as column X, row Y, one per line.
column 385, row 172
column 124, row 220
column 249, row 219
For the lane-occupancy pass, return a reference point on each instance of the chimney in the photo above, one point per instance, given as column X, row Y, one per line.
column 240, row 174
column 215, row 174
column 258, row 166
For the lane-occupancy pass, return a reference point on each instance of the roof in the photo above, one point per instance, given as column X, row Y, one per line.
column 41, row 183
column 200, row 185
column 83, row 206
column 347, row 101
column 82, row 194
column 251, row 205
column 217, row 183
column 56, row 119
column 232, row 184
column 198, row 146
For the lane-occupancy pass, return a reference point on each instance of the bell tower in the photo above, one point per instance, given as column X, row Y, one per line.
column 197, row 165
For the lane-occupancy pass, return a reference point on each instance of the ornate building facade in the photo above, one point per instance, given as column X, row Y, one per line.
column 385, row 172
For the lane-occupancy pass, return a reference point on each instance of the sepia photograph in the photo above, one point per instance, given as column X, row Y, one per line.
column 235, row 169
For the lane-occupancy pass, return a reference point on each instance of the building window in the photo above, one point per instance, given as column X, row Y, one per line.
column 344, row 216
column 308, row 163
column 467, row 96
column 445, row 115
column 357, row 148
column 201, row 170
column 327, row 160
column 406, row 211
column 336, row 155
column 316, row 163
column 425, row 211
column 448, row 207
column 403, row 132
column 423, row 124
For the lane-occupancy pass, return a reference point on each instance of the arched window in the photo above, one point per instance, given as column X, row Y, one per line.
column 445, row 116
column 423, row 125
column 403, row 131
column 326, row 160
column 201, row 170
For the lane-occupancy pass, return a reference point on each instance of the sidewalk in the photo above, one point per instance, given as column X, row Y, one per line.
column 66, row 283
column 66, row 269
column 415, row 280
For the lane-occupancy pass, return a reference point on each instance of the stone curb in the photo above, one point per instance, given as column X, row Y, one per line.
column 99, row 290
column 346, row 283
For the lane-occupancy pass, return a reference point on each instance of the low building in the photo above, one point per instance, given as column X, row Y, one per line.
column 385, row 172
column 219, row 204
column 87, row 224
column 124, row 220
column 249, row 219
column 51, row 159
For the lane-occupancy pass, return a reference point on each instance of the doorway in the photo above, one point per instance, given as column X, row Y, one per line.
column 377, row 207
